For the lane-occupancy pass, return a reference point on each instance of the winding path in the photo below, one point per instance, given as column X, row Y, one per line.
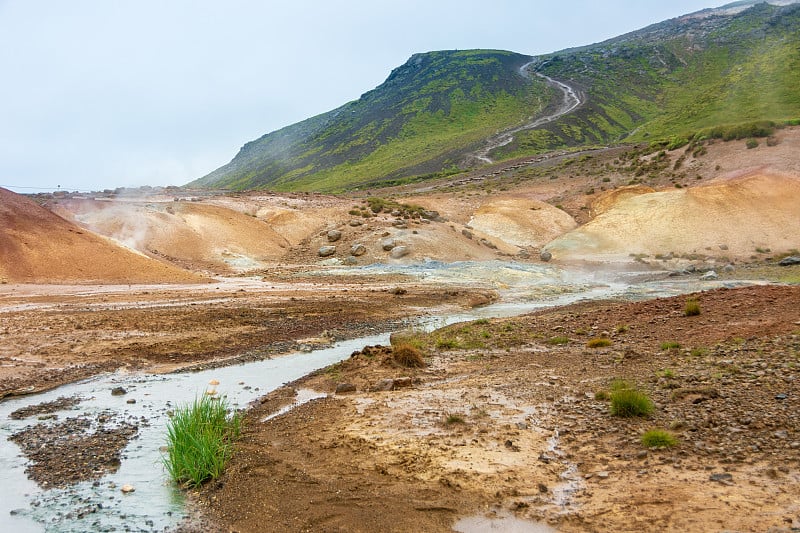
column 569, row 102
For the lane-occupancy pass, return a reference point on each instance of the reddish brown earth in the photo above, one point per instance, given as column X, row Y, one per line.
column 497, row 428
column 37, row 246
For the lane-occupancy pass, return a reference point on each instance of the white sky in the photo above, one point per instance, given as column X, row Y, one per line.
column 99, row 94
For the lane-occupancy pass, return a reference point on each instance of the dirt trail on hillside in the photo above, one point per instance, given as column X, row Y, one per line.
column 570, row 100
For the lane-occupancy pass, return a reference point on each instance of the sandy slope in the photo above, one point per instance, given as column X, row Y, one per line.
column 522, row 221
column 39, row 246
column 731, row 217
column 190, row 234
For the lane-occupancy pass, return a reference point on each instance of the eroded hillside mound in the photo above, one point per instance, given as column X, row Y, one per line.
column 735, row 217
column 38, row 246
column 194, row 235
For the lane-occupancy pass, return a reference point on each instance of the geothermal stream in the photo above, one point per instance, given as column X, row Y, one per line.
column 156, row 503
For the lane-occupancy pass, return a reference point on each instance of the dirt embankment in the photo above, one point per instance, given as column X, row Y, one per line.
column 506, row 418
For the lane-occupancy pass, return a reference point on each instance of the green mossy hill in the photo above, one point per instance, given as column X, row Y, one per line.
column 677, row 78
column 718, row 72
column 421, row 120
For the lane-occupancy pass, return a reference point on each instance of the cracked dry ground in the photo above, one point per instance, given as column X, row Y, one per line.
column 505, row 418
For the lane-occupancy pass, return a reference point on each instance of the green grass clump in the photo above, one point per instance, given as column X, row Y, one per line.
column 558, row 340
column 692, row 307
column 200, row 438
column 599, row 342
column 630, row 402
column 670, row 345
column 658, row 438
column 454, row 418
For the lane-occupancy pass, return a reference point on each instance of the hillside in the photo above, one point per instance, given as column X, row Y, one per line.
column 38, row 246
column 420, row 120
column 727, row 66
column 677, row 78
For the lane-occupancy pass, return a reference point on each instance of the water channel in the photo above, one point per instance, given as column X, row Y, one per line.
column 156, row 504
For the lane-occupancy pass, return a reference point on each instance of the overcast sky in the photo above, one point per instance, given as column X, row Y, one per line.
column 99, row 94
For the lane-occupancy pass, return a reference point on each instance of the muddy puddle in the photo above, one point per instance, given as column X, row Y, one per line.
column 143, row 401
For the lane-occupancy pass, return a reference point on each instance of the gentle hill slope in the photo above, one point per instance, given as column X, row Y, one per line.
column 434, row 113
column 734, row 217
column 39, row 246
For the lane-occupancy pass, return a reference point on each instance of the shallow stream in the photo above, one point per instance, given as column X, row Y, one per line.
column 156, row 504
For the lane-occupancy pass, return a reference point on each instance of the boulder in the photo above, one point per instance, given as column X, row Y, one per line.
column 708, row 276
column 343, row 388
column 384, row 385
column 326, row 251
column 334, row 235
column 789, row 261
column 358, row 250
column 400, row 251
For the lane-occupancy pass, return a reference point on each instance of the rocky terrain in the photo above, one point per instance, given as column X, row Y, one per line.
column 510, row 418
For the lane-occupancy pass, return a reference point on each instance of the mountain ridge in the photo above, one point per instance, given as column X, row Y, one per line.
column 435, row 112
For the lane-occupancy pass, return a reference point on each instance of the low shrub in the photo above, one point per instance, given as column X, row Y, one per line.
column 692, row 307
column 630, row 402
column 200, row 438
column 599, row 342
column 658, row 438
column 407, row 355
column 454, row 418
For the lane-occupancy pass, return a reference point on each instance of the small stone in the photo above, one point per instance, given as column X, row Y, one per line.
column 334, row 235
column 384, row 385
column 401, row 383
column 400, row 251
column 127, row 489
column 709, row 276
column 343, row 388
column 466, row 233
column 358, row 250
column 326, row 251
column 603, row 474
column 780, row 396
column 131, row 401
column 545, row 256
column 388, row 244
column 721, row 477
column 355, row 222
column 118, row 391
column 543, row 488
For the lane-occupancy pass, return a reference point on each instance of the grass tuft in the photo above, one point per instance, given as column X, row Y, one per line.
column 454, row 418
column 658, row 438
column 200, row 437
column 629, row 402
column 407, row 355
column 692, row 307
column 599, row 342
